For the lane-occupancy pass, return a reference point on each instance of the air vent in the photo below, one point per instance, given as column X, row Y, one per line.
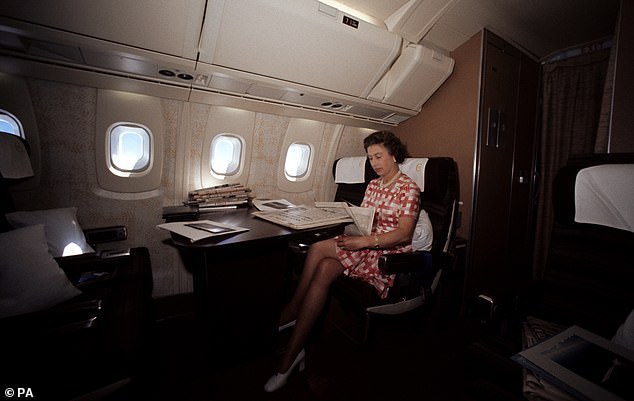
column 286, row 93
column 331, row 69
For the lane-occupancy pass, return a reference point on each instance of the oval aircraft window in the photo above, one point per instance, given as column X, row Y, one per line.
column 130, row 148
column 226, row 151
column 10, row 124
column 297, row 161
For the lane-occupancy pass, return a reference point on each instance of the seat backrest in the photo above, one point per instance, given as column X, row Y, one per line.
column 15, row 165
column 587, row 277
column 439, row 190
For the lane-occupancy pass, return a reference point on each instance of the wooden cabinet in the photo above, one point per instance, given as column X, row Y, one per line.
column 501, row 237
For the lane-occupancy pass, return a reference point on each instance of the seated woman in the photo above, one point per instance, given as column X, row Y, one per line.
column 396, row 199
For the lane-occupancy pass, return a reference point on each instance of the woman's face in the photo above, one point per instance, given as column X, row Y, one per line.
column 381, row 160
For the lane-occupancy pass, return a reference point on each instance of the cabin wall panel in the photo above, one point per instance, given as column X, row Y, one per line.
column 169, row 273
column 622, row 130
column 117, row 106
column 194, row 147
column 325, row 186
column 267, row 144
column 66, row 120
column 351, row 142
column 22, row 108
column 447, row 123
column 66, row 116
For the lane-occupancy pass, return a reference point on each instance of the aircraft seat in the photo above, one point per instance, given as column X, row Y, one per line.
column 417, row 273
column 71, row 325
column 587, row 281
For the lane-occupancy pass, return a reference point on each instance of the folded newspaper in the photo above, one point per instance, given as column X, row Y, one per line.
column 363, row 217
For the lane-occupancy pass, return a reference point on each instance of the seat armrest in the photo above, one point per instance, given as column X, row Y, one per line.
column 408, row 262
column 100, row 235
column 69, row 317
column 75, row 266
column 417, row 261
column 302, row 242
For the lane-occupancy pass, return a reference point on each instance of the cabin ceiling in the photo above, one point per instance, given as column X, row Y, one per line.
column 541, row 27
column 296, row 58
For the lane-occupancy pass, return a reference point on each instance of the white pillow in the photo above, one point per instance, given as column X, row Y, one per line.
column 30, row 279
column 423, row 233
column 625, row 333
column 63, row 233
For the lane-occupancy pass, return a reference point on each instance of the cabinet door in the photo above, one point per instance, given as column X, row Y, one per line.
column 498, row 147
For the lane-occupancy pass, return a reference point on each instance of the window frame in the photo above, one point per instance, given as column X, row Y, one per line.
column 112, row 167
column 240, row 155
column 308, row 163
column 18, row 124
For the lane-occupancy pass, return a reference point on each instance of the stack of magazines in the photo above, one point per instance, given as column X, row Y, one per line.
column 220, row 196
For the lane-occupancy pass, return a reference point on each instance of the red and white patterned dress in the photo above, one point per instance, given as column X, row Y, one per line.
column 400, row 199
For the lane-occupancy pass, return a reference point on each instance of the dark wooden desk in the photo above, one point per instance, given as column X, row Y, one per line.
column 240, row 280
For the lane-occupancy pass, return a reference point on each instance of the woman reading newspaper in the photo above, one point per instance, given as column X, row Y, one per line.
column 396, row 198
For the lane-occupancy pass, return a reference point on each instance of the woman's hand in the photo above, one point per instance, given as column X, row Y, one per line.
column 401, row 235
column 353, row 243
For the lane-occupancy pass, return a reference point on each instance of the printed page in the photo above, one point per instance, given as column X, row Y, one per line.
column 272, row 204
column 302, row 217
column 362, row 217
column 200, row 229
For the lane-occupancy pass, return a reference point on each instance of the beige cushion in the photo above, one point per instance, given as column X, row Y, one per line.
column 30, row 278
column 63, row 233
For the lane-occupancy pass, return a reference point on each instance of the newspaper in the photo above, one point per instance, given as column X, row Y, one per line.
column 363, row 217
column 303, row 217
column 272, row 204
column 583, row 365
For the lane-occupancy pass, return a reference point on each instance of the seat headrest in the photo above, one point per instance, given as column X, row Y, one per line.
column 437, row 178
column 415, row 169
column 350, row 170
column 14, row 157
column 357, row 170
column 604, row 195
column 563, row 186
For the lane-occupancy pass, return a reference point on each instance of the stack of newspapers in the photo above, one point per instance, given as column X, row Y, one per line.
column 221, row 196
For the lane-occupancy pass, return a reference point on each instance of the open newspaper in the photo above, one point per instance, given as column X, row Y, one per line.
column 362, row 217
column 303, row 217
column 321, row 215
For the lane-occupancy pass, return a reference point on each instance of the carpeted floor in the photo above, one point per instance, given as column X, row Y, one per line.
column 416, row 357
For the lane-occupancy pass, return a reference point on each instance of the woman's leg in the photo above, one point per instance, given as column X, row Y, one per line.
column 324, row 273
column 316, row 253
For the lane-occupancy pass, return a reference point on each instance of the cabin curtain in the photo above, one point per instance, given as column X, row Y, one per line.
column 572, row 97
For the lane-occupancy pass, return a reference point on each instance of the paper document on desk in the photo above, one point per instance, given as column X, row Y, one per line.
column 200, row 229
column 302, row 217
column 271, row 204
column 362, row 217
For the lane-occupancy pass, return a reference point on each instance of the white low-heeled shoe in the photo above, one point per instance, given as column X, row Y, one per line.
column 286, row 325
column 278, row 380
